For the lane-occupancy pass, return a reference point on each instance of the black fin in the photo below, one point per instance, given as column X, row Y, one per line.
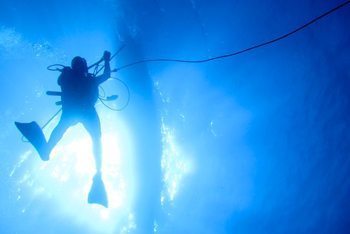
column 97, row 194
column 33, row 133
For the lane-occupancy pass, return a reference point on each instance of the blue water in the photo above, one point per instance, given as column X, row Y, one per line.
column 256, row 143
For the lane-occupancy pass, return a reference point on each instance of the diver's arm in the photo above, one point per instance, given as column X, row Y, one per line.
column 107, row 71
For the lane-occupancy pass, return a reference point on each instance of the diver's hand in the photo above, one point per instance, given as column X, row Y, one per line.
column 107, row 56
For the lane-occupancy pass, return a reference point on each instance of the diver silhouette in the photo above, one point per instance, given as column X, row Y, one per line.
column 79, row 94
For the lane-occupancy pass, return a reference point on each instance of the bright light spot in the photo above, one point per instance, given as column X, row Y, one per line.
column 131, row 224
column 65, row 180
column 62, row 184
column 174, row 164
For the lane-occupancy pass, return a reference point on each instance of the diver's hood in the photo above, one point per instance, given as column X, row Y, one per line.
column 79, row 65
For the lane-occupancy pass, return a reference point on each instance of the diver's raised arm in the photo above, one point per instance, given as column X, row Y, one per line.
column 107, row 70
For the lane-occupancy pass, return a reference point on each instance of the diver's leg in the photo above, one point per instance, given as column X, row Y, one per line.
column 97, row 193
column 58, row 132
column 91, row 122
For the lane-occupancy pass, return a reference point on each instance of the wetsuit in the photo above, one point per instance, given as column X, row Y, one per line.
column 79, row 95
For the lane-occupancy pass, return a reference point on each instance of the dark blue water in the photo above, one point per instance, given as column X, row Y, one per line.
column 256, row 143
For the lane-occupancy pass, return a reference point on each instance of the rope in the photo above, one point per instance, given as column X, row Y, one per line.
column 314, row 20
column 59, row 67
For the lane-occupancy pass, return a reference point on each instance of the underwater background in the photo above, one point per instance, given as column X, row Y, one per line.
column 255, row 143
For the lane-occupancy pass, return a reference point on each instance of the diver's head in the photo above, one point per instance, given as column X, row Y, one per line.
column 79, row 65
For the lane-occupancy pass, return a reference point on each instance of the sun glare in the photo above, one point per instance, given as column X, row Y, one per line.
column 65, row 180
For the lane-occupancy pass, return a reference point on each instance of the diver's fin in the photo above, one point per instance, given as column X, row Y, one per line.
column 33, row 133
column 97, row 194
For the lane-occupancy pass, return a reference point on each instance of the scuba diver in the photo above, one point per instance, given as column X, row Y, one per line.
column 79, row 94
